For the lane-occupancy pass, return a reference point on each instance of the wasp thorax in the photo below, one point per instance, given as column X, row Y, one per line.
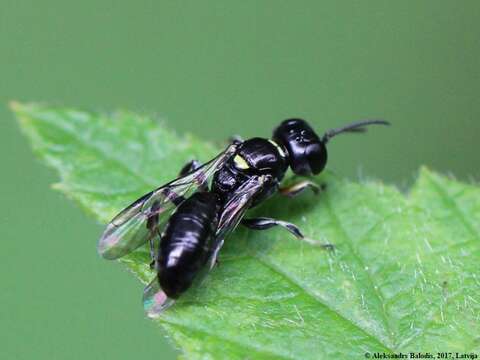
column 307, row 153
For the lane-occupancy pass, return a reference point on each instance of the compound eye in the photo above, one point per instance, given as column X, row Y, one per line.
column 317, row 157
column 305, row 149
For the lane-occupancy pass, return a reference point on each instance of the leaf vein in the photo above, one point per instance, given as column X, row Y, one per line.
column 262, row 260
column 248, row 346
column 101, row 152
column 374, row 289
column 452, row 203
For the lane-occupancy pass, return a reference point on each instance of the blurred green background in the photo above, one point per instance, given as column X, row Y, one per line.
column 214, row 68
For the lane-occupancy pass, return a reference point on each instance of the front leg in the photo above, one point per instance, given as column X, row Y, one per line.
column 295, row 189
column 263, row 223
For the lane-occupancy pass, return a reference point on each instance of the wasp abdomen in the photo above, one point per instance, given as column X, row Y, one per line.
column 186, row 242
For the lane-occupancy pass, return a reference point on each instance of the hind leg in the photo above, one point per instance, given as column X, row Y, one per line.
column 190, row 167
column 264, row 223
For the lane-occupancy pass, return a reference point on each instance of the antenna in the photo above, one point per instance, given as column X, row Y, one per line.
column 355, row 127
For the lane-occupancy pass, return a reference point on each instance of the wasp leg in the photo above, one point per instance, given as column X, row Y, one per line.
column 189, row 167
column 192, row 166
column 152, row 223
column 213, row 259
column 235, row 139
column 301, row 186
column 264, row 223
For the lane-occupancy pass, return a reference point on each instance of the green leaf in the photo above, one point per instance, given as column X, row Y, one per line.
column 404, row 276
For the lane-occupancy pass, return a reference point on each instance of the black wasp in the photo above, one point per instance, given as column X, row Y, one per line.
column 187, row 220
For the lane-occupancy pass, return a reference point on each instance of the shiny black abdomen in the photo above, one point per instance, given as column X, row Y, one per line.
column 262, row 157
column 186, row 242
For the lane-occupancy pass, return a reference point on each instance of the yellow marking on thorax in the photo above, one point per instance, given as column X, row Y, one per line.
column 279, row 148
column 240, row 162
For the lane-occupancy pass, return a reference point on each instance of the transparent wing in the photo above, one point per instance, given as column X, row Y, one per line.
column 140, row 221
column 234, row 210
column 155, row 301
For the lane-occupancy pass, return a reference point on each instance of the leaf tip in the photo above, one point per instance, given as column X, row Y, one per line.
column 424, row 172
column 14, row 105
column 58, row 186
column 22, row 108
column 18, row 109
column 424, row 169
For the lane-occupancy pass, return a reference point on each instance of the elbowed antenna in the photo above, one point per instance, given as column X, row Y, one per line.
column 358, row 126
